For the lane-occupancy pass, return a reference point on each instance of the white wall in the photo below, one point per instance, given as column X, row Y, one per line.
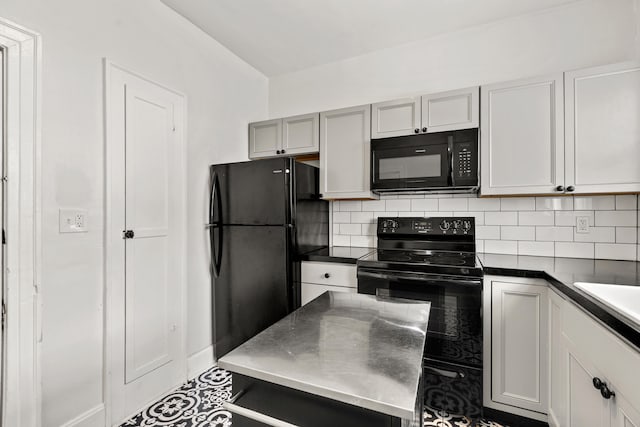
column 223, row 94
column 579, row 34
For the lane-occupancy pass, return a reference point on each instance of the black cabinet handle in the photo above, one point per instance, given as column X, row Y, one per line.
column 128, row 234
column 327, row 275
column 571, row 188
column 281, row 151
column 424, row 129
column 416, row 130
column 278, row 152
column 559, row 188
column 606, row 393
column 597, row 383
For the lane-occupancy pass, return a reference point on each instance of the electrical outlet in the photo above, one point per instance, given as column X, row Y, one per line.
column 73, row 221
column 582, row 224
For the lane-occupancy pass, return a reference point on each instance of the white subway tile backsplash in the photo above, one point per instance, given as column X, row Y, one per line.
column 399, row 205
column 518, row 204
column 501, row 218
column 595, row 203
column 534, row 226
column 626, row 202
column 341, row 217
column 616, row 218
column 374, row 206
column 536, row 218
column 511, row 232
column 361, row 217
column 453, row 204
column 536, row 248
column 615, row 251
column 574, row 250
column 424, row 205
column 488, row 232
column 554, row 234
column 501, row 247
column 350, row 229
column 484, row 204
column 597, row 234
column 627, row 235
column 568, row 218
column 350, row 205
column 554, row 203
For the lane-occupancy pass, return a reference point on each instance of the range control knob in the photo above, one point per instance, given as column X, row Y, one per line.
column 389, row 223
column 457, row 224
column 466, row 225
column 445, row 225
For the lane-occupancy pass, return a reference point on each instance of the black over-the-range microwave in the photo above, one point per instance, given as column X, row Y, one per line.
column 434, row 162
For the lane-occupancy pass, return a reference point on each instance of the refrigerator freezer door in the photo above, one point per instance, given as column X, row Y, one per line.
column 252, row 289
column 254, row 193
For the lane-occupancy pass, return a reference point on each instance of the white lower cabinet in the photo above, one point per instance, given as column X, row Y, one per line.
column 585, row 354
column 319, row 277
column 516, row 346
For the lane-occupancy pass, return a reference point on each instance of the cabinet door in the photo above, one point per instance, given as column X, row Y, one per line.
column 557, row 372
column 310, row 291
column 395, row 118
column 602, row 128
column 456, row 109
column 345, row 153
column 522, row 136
column 301, row 134
column 265, row 138
column 586, row 407
column 519, row 357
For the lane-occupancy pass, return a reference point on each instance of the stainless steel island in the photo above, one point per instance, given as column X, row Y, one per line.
column 341, row 360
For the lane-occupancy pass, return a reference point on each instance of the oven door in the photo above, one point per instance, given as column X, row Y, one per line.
column 410, row 163
column 454, row 333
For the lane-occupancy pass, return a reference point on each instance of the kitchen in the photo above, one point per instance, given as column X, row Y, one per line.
column 225, row 94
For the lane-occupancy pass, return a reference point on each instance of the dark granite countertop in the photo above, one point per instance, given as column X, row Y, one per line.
column 341, row 254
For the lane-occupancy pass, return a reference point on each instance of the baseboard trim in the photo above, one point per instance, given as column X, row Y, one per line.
column 199, row 362
column 94, row 417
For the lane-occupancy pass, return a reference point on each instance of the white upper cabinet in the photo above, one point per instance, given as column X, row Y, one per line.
column 438, row 112
column 301, row 134
column 345, row 153
column 522, row 137
column 452, row 110
column 265, row 138
column 289, row 136
column 602, row 114
column 395, row 118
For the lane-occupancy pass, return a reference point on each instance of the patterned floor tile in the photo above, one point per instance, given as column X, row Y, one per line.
column 198, row 403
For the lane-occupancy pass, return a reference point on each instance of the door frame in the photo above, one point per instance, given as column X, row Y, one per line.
column 111, row 163
column 22, row 388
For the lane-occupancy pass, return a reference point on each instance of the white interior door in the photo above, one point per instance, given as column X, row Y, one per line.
column 148, row 352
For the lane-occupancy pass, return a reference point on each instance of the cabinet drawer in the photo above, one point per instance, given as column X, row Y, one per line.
column 329, row 273
column 312, row 290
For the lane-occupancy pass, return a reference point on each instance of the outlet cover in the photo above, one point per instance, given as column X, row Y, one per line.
column 582, row 224
column 73, row 220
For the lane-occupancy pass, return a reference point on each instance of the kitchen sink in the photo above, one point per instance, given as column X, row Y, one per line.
column 625, row 299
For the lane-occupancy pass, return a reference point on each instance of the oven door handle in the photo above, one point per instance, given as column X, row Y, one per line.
column 465, row 281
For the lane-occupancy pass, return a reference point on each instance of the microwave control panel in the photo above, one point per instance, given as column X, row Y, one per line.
column 465, row 162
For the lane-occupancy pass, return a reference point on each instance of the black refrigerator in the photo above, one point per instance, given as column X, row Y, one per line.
column 263, row 215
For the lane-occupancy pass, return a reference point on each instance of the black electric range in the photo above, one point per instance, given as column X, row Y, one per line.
column 434, row 259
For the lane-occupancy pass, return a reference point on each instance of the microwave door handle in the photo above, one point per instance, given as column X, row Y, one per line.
column 450, row 155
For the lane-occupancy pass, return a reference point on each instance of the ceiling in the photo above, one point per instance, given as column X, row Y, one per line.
column 281, row 36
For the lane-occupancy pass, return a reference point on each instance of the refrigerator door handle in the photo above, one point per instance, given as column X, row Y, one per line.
column 215, row 204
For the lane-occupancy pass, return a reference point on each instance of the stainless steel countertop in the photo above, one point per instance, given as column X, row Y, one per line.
column 352, row 348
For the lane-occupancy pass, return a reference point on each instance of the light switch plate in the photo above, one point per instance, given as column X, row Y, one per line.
column 582, row 224
column 73, row 220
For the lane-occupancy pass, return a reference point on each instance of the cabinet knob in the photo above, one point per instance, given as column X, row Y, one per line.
column 278, row 152
column 606, row 393
column 559, row 188
column 597, row 383
column 416, row 130
column 281, row 151
column 571, row 188
column 424, row 129
column 327, row 275
column 128, row 234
